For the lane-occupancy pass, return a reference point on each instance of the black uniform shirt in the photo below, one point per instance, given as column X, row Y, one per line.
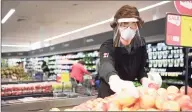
column 128, row 65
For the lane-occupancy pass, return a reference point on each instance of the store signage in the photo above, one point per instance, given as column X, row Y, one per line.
column 179, row 30
column 14, row 54
column 20, row 54
column 183, row 6
column 65, row 45
column 52, row 48
column 40, row 50
column 89, row 40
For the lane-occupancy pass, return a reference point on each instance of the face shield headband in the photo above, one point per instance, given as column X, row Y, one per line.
column 135, row 42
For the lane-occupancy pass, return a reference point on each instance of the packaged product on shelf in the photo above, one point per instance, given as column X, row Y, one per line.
column 26, row 89
column 38, row 88
column 46, row 87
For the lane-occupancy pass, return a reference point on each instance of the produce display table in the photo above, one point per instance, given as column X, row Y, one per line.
column 45, row 105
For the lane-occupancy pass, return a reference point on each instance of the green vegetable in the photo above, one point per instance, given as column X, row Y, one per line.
column 164, row 85
column 136, row 83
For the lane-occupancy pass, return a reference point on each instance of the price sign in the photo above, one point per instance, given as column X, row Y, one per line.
column 65, row 77
column 179, row 30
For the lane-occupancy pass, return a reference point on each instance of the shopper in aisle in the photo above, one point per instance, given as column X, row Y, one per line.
column 78, row 71
column 45, row 70
column 123, row 58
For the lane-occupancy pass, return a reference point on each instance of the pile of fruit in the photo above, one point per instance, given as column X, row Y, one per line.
column 23, row 89
column 151, row 99
column 16, row 73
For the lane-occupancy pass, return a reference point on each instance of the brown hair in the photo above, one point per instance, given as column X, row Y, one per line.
column 81, row 62
column 127, row 11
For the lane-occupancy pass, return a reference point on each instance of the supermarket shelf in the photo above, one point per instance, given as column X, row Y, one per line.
column 65, row 68
column 90, row 63
column 19, row 82
column 83, row 57
column 91, row 70
column 66, row 64
column 75, row 58
column 52, row 59
column 174, row 76
column 173, row 83
column 166, row 67
column 28, row 95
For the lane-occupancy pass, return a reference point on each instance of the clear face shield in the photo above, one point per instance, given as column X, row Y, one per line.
column 127, row 30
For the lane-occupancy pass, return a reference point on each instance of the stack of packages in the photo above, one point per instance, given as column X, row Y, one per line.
column 150, row 99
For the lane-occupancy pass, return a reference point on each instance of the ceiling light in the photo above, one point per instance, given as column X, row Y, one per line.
column 153, row 6
column 35, row 45
column 103, row 22
column 15, row 45
column 7, row 16
column 78, row 30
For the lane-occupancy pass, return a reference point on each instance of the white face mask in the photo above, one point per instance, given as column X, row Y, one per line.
column 128, row 33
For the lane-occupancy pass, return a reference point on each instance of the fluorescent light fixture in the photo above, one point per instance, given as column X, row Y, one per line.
column 35, row 45
column 15, row 45
column 105, row 21
column 78, row 30
column 153, row 6
column 7, row 16
column 46, row 44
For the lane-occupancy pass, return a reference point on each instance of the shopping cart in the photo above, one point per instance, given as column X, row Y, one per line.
column 87, row 87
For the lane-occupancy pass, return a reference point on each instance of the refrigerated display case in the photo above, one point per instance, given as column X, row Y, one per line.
column 44, row 104
column 36, row 96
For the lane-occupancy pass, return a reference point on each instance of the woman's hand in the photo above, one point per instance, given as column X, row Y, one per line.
column 117, row 85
